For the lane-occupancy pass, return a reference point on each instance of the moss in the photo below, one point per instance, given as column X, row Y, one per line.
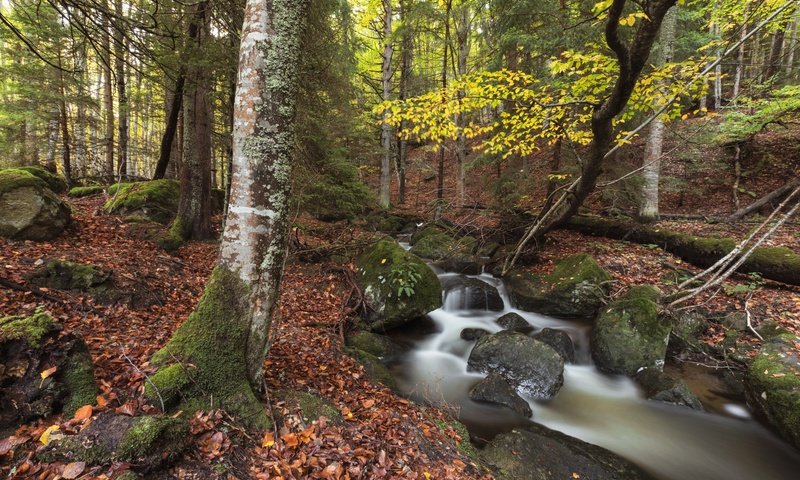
column 437, row 245
column 166, row 385
column 14, row 178
column 113, row 189
column 174, row 238
column 65, row 275
column 158, row 199
column 213, row 340
column 79, row 378
column 311, row 406
column 374, row 344
column 78, row 192
column 71, row 448
column 464, row 445
column 149, row 433
column 31, row 329
column 55, row 182
column 376, row 371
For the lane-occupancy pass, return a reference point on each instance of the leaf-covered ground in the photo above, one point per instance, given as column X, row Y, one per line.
column 382, row 435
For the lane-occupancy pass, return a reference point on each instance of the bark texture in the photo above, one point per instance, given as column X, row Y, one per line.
column 386, row 130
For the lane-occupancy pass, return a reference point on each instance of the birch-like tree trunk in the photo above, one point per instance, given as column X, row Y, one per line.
column 737, row 77
column 218, row 352
column 651, row 171
column 384, row 194
column 792, row 44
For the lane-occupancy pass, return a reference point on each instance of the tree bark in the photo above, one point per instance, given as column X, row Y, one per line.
column 772, row 196
column 384, row 193
column 122, row 97
column 405, row 76
column 462, row 35
column 170, row 129
column 225, row 340
column 440, row 176
column 776, row 48
column 108, row 102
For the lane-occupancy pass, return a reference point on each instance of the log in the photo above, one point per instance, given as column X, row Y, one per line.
column 776, row 194
column 775, row 263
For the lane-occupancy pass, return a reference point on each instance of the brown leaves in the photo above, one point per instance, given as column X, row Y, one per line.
column 73, row 469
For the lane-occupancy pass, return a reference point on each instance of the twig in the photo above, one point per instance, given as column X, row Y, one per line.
column 11, row 285
column 146, row 377
column 747, row 312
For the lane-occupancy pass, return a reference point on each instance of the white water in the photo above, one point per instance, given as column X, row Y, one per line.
column 674, row 443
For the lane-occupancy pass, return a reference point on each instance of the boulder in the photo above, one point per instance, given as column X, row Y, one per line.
column 464, row 293
column 433, row 243
column 630, row 334
column 576, row 288
column 375, row 369
column 473, row 333
column 663, row 387
column 772, row 385
column 559, row 340
column 309, row 406
column 29, row 210
column 531, row 366
column 80, row 192
column 30, row 346
column 513, row 321
column 398, row 286
column 54, row 182
column 495, row 389
column 156, row 200
column 687, row 328
column 375, row 344
column 82, row 277
column 538, row 453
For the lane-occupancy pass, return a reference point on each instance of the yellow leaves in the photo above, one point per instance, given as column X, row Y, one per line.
column 51, row 433
column 268, row 440
column 48, row 372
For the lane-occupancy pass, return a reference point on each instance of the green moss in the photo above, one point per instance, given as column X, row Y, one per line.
column 373, row 343
column 464, row 445
column 79, row 378
column 435, row 244
column 71, row 448
column 148, row 433
column 311, row 406
column 55, row 182
column 14, row 178
column 376, row 371
column 113, row 189
column 174, row 238
column 78, row 192
column 158, row 199
column 65, row 275
column 168, row 382
column 213, row 340
column 30, row 329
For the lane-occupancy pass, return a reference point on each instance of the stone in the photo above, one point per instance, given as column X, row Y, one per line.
column 559, row 340
column 375, row 344
column 156, row 200
column 54, row 182
column 465, row 293
column 29, row 210
column 687, row 328
column 772, row 385
column 473, row 333
column 529, row 365
column 398, row 286
column 576, row 289
column 433, row 243
column 629, row 334
column 663, row 387
column 495, row 389
column 513, row 321
column 538, row 453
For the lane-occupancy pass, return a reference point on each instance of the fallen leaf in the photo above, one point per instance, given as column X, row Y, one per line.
column 45, row 438
column 101, row 401
column 83, row 413
column 48, row 372
column 268, row 440
column 72, row 470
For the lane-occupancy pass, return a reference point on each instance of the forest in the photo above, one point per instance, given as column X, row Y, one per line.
column 407, row 239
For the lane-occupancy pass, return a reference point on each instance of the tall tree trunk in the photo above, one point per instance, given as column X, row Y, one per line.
column 66, row 161
column 108, row 102
column 194, row 209
column 52, row 139
column 792, row 44
column 716, row 33
column 224, row 342
column 737, row 77
column 651, row 172
column 440, row 176
column 776, row 48
column 407, row 46
column 384, row 194
column 122, row 98
column 462, row 36
column 80, row 116
column 171, row 127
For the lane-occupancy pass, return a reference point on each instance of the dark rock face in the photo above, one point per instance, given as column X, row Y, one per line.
column 473, row 333
column 375, row 344
column 538, row 453
column 630, row 335
column 513, row 321
column 772, row 385
column 29, row 210
column 663, row 387
column 560, row 342
column 464, row 293
column 576, row 288
column 495, row 389
column 531, row 366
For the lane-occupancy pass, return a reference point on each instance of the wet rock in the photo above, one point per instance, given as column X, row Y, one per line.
column 576, row 288
column 629, row 334
column 29, row 210
column 687, row 328
column 473, row 333
column 434, row 243
column 464, row 293
column 560, row 342
column 469, row 265
column 772, row 385
column 663, row 387
column 495, row 389
column 30, row 346
column 513, row 321
column 375, row 344
column 538, row 453
column 531, row 366
column 398, row 286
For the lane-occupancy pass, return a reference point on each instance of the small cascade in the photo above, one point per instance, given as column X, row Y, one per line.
column 671, row 442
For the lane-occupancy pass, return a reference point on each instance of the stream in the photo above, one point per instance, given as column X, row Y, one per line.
column 670, row 442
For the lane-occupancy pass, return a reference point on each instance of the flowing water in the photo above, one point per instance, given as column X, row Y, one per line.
column 671, row 442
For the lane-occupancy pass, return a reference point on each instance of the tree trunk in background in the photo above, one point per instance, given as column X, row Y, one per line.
column 437, row 215
column 227, row 337
column 776, row 48
column 65, row 148
column 463, row 39
column 648, row 210
column 52, row 140
column 171, row 127
column 384, row 194
column 122, row 98
column 194, row 209
column 792, row 44
column 108, row 102
column 80, row 117
column 737, row 77
column 407, row 47
column 716, row 33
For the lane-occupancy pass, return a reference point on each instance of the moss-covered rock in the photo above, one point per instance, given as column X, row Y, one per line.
column 54, row 182
column 79, row 192
column 463, row 443
column 576, row 289
column 66, row 275
column 687, row 328
column 397, row 285
column 173, row 239
column 78, row 377
column 376, row 370
column 435, row 244
column 30, row 330
column 538, row 453
column 375, row 344
column 311, row 406
column 210, row 346
column 630, row 334
column 772, row 385
column 29, row 210
column 156, row 199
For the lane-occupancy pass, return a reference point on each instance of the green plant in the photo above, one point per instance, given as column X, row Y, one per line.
column 404, row 277
column 756, row 280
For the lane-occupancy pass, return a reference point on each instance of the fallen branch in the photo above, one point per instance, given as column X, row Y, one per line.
column 11, row 285
column 776, row 194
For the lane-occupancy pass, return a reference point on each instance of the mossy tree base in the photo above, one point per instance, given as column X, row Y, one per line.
column 204, row 365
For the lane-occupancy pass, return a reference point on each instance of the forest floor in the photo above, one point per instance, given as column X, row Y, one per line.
column 382, row 435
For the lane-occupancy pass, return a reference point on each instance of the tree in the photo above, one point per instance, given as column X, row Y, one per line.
column 217, row 354
column 386, row 82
